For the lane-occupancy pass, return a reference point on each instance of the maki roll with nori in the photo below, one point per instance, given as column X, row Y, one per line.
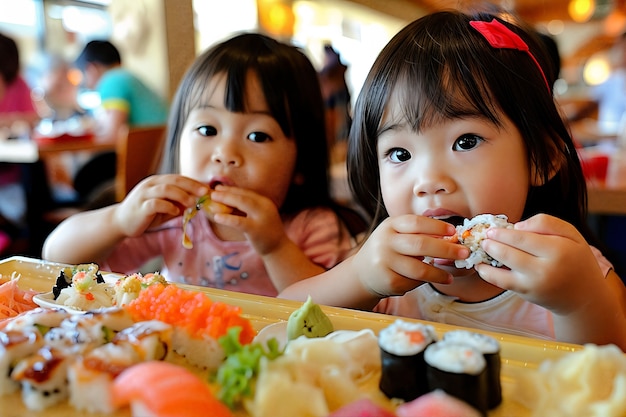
column 402, row 346
column 472, row 232
column 460, row 370
column 490, row 348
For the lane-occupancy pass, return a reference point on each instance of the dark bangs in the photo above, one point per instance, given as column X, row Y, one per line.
column 433, row 88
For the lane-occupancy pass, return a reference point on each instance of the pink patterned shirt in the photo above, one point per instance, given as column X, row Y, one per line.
column 230, row 265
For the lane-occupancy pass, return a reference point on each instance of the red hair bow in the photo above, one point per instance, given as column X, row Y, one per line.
column 500, row 36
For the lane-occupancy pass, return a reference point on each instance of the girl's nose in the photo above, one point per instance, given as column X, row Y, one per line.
column 433, row 183
column 226, row 153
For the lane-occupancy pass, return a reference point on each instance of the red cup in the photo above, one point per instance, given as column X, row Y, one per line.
column 595, row 168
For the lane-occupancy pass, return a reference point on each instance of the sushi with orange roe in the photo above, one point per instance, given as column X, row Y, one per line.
column 163, row 389
column 198, row 321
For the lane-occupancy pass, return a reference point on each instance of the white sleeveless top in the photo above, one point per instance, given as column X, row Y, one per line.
column 504, row 313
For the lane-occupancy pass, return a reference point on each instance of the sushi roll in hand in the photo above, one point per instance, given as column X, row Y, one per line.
column 472, row 232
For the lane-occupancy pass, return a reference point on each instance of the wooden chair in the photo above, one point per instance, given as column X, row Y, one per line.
column 138, row 154
column 138, row 151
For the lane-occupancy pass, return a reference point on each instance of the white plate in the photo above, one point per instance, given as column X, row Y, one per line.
column 277, row 331
column 47, row 300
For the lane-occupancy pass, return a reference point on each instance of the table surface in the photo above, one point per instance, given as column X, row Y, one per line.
column 587, row 132
column 609, row 201
column 29, row 151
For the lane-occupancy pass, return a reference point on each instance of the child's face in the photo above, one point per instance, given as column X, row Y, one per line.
column 247, row 150
column 461, row 167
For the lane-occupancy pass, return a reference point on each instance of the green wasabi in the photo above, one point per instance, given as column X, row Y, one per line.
column 309, row 320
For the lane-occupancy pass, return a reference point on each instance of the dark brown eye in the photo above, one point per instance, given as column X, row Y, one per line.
column 207, row 130
column 259, row 137
column 399, row 155
column 467, row 142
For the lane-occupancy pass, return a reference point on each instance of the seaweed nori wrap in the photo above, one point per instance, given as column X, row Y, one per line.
column 490, row 348
column 402, row 346
column 62, row 281
column 460, row 370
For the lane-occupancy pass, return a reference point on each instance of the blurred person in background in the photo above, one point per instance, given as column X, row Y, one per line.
column 55, row 84
column 124, row 101
column 16, row 106
column 336, row 101
column 17, row 117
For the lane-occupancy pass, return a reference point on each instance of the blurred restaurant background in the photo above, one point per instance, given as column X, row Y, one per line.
column 158, row 39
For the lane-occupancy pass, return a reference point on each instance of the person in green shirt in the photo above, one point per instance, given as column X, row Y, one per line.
column 125, row 100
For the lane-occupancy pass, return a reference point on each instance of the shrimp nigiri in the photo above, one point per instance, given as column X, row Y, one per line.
column 162, row 389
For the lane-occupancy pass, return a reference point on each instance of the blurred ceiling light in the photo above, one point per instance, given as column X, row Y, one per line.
column 84, row 20
column 555, row 27
column 581, row 10
column 597, row 69
column 18, row 12
column 277, row 17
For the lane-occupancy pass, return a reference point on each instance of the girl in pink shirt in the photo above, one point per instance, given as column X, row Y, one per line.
column 246, row 127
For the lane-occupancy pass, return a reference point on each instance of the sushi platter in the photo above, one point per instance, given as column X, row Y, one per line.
column 519, row 355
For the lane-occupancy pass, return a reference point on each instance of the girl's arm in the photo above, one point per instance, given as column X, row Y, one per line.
column 287, row 264
column 390, row 262
column 84, row 237
column 314, row 240
column 338, row 286
column 552, row 265
column 602, row 320
column 90, row 236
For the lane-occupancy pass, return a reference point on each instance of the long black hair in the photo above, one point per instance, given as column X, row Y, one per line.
column 443, row 68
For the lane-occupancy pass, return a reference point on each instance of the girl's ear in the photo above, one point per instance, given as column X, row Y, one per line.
column 538, row 177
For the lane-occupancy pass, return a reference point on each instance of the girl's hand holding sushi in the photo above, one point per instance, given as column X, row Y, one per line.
column 256, row 216
column 545, row 257
column 549, row 263
column 153, row 201
column 391, row 259
column 156, row 200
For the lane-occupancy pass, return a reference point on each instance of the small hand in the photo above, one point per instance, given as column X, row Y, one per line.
column 156, row 200
column 547, row 260
column 256, row 216
column 391, row 259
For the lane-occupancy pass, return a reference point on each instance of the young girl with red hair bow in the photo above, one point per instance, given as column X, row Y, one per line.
column 456, row 119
